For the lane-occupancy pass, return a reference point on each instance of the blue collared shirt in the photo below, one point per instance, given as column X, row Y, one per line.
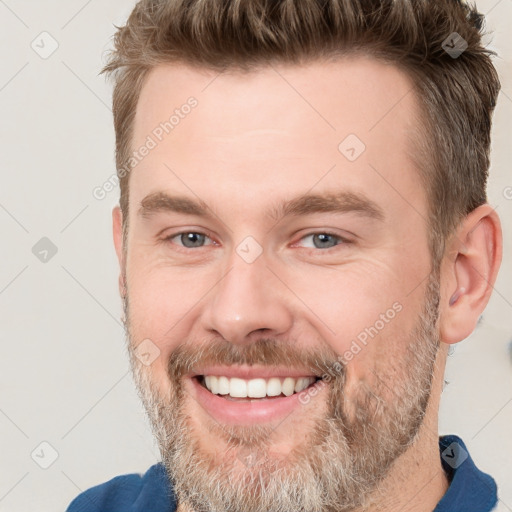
column 470, row 489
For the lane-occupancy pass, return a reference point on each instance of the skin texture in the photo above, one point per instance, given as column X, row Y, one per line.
column 252, row 141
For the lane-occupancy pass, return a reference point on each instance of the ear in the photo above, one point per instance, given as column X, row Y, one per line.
column 117, row 231
column 468, row 273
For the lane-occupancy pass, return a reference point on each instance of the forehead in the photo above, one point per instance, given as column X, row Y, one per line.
column 280, row 125
column 351, row 92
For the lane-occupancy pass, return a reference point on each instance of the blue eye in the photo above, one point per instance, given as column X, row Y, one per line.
column 196, row 240
column 189, row 239
column 325, row 240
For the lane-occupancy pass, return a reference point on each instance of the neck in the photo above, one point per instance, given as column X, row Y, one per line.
column 417, row 481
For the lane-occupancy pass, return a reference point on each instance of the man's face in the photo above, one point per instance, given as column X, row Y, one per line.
column 249, row 297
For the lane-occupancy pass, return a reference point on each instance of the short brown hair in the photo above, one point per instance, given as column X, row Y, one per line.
column 456, row 95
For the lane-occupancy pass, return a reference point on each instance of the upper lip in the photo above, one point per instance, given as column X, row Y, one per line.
column 253, row 372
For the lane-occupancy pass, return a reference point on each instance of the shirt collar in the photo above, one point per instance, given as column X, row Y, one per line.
column 471, row 490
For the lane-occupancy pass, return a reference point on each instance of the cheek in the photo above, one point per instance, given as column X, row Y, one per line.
column 357, row 303
column 162, row 301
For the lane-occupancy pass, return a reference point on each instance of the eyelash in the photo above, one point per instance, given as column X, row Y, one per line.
column 342, row 240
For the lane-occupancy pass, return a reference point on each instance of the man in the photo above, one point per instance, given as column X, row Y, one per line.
column 302, row 234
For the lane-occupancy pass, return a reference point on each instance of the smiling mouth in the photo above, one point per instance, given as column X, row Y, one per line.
column 255, row 390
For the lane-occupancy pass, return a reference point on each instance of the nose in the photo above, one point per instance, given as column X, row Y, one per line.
column 248, row 302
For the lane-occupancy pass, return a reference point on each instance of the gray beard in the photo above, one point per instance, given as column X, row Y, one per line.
column 340, row 463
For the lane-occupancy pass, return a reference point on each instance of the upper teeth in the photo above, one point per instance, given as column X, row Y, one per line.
column 256, row 388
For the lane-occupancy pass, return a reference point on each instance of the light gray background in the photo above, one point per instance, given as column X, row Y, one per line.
column 64, row 374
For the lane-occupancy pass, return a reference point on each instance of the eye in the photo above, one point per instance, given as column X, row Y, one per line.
column 189, row 239
column 324, row 240
column 196, row 239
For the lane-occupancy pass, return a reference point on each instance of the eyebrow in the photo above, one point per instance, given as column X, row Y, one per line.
column 341, row 202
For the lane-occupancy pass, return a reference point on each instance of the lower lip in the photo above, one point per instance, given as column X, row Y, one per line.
column 245, row 412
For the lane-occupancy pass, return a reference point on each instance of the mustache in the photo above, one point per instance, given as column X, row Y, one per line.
column 189, row 359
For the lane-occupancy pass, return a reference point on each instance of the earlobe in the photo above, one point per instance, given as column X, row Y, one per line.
column 470, row 275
